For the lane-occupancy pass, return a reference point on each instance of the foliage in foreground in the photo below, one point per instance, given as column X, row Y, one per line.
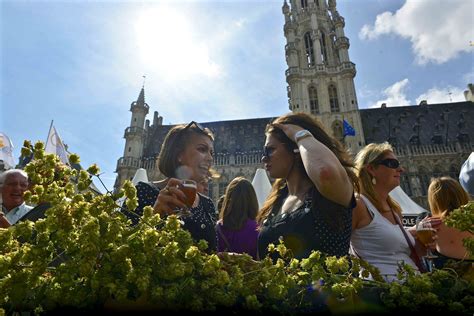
column 85, row 255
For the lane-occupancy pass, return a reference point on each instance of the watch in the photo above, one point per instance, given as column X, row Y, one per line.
column 299, row 135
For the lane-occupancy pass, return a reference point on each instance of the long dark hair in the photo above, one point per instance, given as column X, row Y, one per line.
column 312, row 124
column 240, row 203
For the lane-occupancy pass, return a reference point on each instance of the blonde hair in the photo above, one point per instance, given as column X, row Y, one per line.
column 372, row 154
column 445, row 194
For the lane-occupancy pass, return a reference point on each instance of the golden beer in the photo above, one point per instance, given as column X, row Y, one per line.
column 425, row 235
column 189, row 189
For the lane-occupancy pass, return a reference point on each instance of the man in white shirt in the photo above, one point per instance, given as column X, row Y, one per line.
column 13, row 183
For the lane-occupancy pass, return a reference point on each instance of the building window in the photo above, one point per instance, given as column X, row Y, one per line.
column 313, row 100
column 337, row 130
column 405, row 184
column 425, row 179
column 222, row 187
column 333, row 101
column 308, row 42
column 129, row 149
column 324, row 53
column 304, row 4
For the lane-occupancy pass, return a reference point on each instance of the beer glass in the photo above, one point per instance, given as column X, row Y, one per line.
column 425, row 233
column 189, row 189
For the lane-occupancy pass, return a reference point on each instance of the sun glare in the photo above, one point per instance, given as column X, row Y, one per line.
column 167, row 44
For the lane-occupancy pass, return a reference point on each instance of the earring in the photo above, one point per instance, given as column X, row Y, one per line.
column 374, row 181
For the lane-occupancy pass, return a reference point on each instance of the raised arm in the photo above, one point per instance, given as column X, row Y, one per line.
column 322, row 167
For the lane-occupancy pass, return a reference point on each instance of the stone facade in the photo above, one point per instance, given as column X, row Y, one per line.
column 429, row 139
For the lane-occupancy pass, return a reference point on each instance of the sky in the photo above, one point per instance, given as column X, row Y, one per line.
column 82, row 63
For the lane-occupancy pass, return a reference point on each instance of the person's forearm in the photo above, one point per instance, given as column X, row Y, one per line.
column 325, row 170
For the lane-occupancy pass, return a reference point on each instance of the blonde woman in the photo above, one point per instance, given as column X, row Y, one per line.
column 445, row 194
column 377, row 236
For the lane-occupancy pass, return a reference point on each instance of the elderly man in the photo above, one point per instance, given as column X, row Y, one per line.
column 13, row 183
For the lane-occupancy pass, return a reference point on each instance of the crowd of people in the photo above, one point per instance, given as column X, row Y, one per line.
column 321, row 198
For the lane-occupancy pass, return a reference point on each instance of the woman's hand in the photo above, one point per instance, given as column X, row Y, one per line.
column 289, row 129
column 170, row 198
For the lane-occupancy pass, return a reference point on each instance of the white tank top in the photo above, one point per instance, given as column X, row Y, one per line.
column 382, row 244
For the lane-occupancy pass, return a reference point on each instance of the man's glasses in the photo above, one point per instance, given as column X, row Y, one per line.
column 390, row 163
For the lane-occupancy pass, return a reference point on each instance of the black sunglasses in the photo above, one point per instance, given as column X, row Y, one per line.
column 267, row 152
column 390, row 163
column 199, row 126
column 196, row 127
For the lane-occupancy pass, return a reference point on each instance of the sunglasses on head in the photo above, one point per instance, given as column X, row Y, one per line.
column 390, row 163
column 199, row 126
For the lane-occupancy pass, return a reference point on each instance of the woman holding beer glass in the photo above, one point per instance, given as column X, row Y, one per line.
column 445, row 194
column 185, row 158
column 378, row 235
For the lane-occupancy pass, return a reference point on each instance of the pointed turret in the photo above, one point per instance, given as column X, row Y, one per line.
column 134, row 136
column 141, row 97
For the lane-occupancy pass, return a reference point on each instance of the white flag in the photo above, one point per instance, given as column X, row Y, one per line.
column 54, row 145
column 6, row 151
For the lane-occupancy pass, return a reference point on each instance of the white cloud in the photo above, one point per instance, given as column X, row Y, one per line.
column 446, row 95
column 438, row 30
column 395, row 95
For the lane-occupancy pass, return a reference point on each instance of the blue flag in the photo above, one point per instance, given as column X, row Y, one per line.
column 348, row 129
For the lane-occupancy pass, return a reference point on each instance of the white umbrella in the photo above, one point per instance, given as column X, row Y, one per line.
column 410, row 209
column 140, row 175
column 262, row 186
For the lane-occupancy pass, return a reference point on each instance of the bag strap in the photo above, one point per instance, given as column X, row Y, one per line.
column 414, row 255
column 221, row 234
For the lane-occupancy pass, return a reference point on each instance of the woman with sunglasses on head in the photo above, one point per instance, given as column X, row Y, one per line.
column 377, row 234
column 186, row 154
column 310, row 204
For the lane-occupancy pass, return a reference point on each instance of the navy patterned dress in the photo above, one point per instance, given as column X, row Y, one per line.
column 319, row 224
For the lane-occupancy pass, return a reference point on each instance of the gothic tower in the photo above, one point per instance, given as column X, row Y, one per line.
column 134, row 136
column 320, row 75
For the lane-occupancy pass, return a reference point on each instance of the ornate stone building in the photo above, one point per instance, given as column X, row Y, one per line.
column 429, row 139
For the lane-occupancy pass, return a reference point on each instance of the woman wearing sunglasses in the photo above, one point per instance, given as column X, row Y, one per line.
column 377, row 236
column 186, row 154
column 311, row 201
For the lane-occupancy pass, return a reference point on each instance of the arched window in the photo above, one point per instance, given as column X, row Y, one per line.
column 313, row 100
column 308, row 42
column 304, row 4
column 425, row 178
column 324, row 53
column 333, row 101
column 337, row 130
column 405, row 184
column 454, row 171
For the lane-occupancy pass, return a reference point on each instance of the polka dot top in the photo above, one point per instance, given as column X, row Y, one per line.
column 201, row 223
column 319, row 224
